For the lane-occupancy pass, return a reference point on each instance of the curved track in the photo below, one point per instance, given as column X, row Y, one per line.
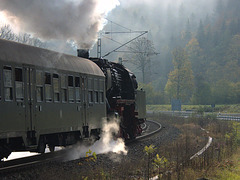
column 149, row 129
column 152, row 127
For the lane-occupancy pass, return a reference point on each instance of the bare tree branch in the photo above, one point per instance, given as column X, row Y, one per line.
column 7, row 33
column 142, row 49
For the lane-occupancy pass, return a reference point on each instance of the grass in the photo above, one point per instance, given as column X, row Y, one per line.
column 219, row 162
column 226, row 108
column 229, row 169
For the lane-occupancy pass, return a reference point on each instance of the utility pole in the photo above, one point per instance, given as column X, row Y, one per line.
column 129, row 31
column 99, row 47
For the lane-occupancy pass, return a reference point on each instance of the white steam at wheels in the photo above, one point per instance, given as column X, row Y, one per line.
column 107, row 142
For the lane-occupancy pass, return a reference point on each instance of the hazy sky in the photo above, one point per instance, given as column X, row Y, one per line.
column 81, row 20
column 66, row 19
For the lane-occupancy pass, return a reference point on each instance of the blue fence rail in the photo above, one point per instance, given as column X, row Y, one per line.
column 221, row 116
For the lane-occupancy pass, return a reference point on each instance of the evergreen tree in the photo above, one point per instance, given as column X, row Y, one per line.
column 202, row 91
column 201, row 34
column 224, row 92
column 233, row 9
column 234, row 49
column 193, row 22
column 196, row 57
column 231, row 68
column 219, row 8
column 187, row 35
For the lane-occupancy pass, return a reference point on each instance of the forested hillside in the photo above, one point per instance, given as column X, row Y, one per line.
column 205, row 36
column 191, row 51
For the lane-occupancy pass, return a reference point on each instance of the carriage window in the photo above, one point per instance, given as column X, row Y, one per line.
column 96, row 84
column 70, row 89
column 101, row 85
column 8, row 90
column 90, row 85
column 19, row 84
column 96, row 87
column 48, row 87
column 101, row 97
column 56, row 88
column 83, row 83
column 63, row 81
column 39, row 86
column 39, row 77
column 63, row 88
column 90, row 96
column 101, row 88
column 96, row 97
column 77, row 89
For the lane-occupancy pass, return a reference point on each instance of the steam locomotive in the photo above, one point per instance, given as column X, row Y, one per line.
column 53, row 99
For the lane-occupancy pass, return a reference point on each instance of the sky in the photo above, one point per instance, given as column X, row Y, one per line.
column 80, row 21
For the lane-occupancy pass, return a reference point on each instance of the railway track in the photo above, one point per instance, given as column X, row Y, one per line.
column 25, row 162
column 150, row 128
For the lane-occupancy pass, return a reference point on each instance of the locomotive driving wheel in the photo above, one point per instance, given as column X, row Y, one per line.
column 5, row 152
column 41, row 146
column 51, row 147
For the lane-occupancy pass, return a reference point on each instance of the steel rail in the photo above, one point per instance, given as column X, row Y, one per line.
column 146, row 135
column 57, row 156
column 151, row 133
column 15, row 164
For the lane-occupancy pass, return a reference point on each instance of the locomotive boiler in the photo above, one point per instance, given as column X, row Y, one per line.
column 53, row 99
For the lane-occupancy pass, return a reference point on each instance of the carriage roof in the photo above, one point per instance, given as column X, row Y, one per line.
column 24, row 54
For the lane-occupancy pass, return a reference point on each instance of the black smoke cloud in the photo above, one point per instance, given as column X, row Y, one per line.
column 77, row 20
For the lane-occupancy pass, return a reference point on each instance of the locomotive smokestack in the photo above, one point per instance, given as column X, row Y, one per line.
column 84, row 53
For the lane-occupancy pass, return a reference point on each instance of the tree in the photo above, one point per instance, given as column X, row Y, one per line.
column 223, row 92
column 196, row 57
column 202, row 91
column 26, row 38
column 142, row 49
column 234, row 49
column 219, row 7
column 233, row 8
column 201, row 34
column 187, row 34
column 237, row 91
column 7, row 33
column 180, row 80
column 231, row 68
column 152, row 96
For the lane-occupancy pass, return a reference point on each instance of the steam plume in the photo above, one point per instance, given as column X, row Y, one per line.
column 78, row 20
column 104, row 145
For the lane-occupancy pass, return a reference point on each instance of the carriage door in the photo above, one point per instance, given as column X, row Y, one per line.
column 30, row 103
column 84, row 100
